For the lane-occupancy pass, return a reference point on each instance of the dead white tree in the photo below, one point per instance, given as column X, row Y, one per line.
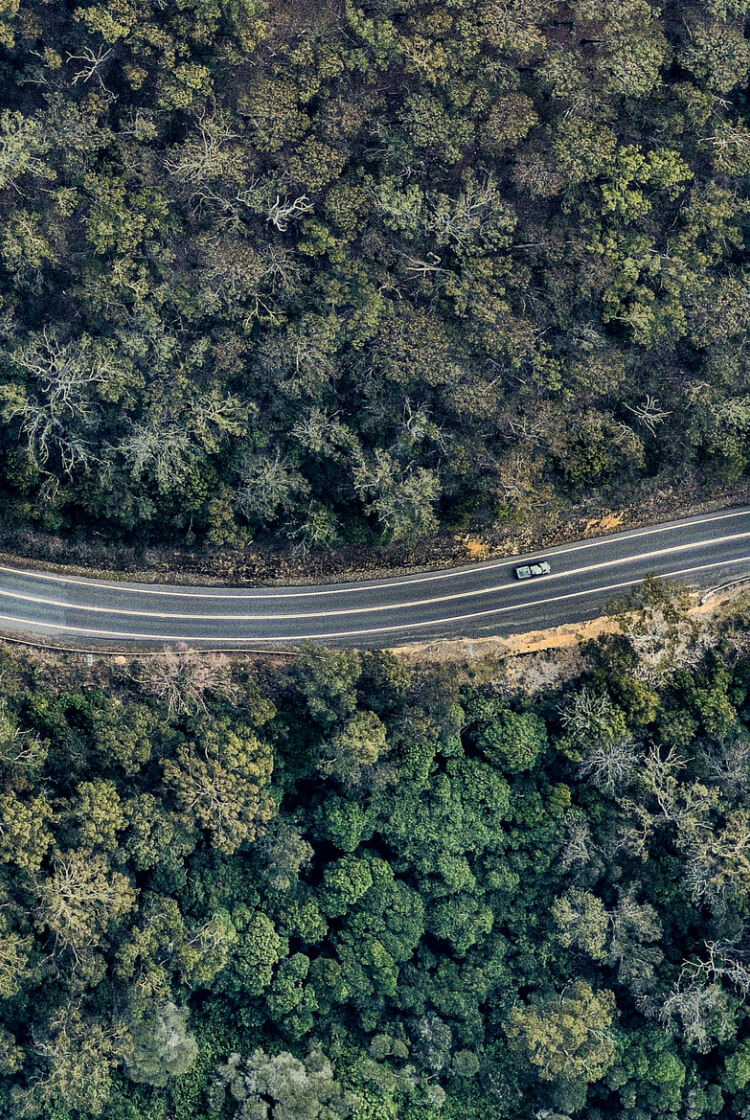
column 693, row 1008
column 282, row 212
column 610, row 763
column 57, row 415
column 729, row 962
column 209, row 165
column 578, row 845
column 165, row 453
column 181, row 679
column 461, row 221
column 91, row 68
column 649, row 413
column 729, row 764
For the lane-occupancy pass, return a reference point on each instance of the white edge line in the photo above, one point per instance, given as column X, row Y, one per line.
column 453, row 573
column 501, row 588
column 62, row 627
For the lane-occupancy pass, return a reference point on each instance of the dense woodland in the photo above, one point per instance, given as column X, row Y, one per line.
column 337, row 272
column 349, row 890
column 345, row 271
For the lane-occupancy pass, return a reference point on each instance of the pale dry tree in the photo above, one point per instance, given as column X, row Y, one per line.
column 58, row 410
column 578, row 845
column 91, row 68
column 209, row 164
column 693, row 1008
column 282, row 211
column 166, row 452
column 166, row 443
column 202, row 157
column 731, row 143
column 460, row 221
column 728, row 763
column 610, row 763
column 729, row 962
column 589, row 715
column 649, row 413
column 182, row 678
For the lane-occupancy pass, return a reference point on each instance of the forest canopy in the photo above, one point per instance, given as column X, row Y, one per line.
column 348, row 271
column 352, row 890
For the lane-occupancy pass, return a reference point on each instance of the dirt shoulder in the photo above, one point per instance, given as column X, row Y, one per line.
column 541, row 659
column 532, row 663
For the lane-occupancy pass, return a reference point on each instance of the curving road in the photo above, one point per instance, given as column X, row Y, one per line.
column 480, row 600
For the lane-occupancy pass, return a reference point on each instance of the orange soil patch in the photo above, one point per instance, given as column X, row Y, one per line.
column 604, row 524
column 476, row 549
column 554, row 638
column 466, row 649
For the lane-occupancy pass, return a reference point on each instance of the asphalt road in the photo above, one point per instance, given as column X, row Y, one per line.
column 473, row 601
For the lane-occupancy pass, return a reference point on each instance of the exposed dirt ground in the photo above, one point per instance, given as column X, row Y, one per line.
column 542, row 659
column 534, row 662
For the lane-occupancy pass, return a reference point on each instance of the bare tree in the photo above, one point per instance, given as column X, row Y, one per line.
column 209, row 165
column 729, row 764
column 91, row 68
column 578, row 843
column 281, row 212
column 166, row 452
column 717, row 867
column 610, row 763
column 182, row 678
column 58, row 412
column 695, row 1009
column 167, row 442
column 477, row 212
column 649, row 413
column 725, row 961
column 270, row 484
column 588, row 714
column 323, row 433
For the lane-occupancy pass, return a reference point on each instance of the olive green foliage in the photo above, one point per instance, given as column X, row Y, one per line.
column 352, row 891
column 162, row 1047
column 352, row 270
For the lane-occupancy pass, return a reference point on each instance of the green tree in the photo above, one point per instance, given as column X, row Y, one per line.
column 224, row 787
column 359, row 744
column 566, row 1035
column 282, row 1087
column 162, row 1046
column 514, row 740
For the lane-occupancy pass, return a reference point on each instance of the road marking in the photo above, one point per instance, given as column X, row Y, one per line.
column 453, row 573
column 500, row 588
column 334, row 635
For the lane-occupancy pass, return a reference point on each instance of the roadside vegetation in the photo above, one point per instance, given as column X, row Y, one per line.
column 345, row 272
column 351, row 889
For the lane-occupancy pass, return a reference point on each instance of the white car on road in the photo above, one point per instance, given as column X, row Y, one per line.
column 535, row 568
